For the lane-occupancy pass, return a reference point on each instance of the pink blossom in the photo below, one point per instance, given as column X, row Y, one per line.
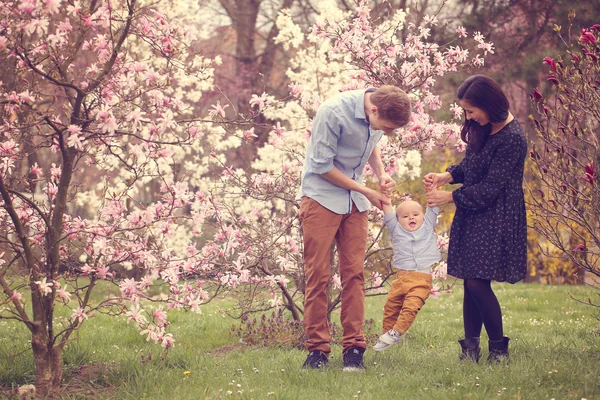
column 258, row 101
column 51, row 189
column 8, row 148
column 25, row 97
column 457, row 111
column 579, row 247
column 430, row 20
column 44, row 287
column 587, row 37
column 75, row 141
column 478, row 61
column 461, row 31
column 377, row 279
column 435, row 291
column 550, row 61
column 65, row 26
column 134, row 314
column 16, row 296
column 249, row 134
column 217, row 109
column 295, row 89
column 536, row 95
column 102, row 272
column 278, row 129
column 88, row 20
column 62, row 293
column 442, row 242
column 52, row 6
column 160, row 317
column 336, row 281
column 588, row 175
column 27, row 6
column 128, row 288
column 440, row 271
column 78, row 315
column 36, row 170
column 167, row 341
column 55, row 172
column 86, row 269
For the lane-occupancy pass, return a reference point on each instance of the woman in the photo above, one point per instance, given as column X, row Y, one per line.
column 488, row 238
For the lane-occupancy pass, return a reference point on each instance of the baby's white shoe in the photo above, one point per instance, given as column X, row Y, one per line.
column 388, row 339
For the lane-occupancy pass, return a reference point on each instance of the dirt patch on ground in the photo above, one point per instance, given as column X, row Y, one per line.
column 84, row 382
column 225, row 350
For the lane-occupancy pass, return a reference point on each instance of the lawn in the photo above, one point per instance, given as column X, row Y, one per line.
column 555, row 354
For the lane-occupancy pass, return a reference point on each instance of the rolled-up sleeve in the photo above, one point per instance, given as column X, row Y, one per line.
column 325, row 135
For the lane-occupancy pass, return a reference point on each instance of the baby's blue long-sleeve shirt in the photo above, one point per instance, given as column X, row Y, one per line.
column 414, row 251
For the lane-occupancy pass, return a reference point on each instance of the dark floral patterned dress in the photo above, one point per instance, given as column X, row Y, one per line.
column 488, row 238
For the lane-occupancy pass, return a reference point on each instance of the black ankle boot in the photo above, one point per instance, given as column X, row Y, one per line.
column 470, row 349
column 498, row 350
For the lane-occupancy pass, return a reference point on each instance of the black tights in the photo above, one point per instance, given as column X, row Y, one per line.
column 481, row 307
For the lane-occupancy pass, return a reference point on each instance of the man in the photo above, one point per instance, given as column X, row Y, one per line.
column 334, row 205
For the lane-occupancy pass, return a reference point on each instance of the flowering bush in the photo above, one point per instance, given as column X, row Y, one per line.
column 566, row 207
column 277, row 330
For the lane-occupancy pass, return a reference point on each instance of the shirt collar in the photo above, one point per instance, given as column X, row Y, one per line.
column 359, row 109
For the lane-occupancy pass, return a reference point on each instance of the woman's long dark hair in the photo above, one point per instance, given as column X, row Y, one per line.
column 482, row 92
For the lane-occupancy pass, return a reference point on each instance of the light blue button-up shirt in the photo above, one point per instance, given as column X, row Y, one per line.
column 341, row 137
column 417, row 250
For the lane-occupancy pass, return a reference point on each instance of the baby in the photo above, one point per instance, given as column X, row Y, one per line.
column 415, row 251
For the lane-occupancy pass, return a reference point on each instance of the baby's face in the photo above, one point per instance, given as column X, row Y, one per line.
column 410, row 215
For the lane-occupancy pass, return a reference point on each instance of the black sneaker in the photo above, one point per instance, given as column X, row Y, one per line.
column 353, row 359
column 316, row 359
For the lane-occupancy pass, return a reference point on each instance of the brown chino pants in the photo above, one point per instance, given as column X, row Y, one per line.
column 320, row 227
column 407, row 295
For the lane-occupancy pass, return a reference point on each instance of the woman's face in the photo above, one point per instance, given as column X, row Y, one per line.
column 476, row 114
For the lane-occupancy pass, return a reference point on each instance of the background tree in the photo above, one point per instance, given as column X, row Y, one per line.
column 95, row 92
column 566, row 206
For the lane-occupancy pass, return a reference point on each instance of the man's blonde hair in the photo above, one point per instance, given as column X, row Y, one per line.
column 392, row 104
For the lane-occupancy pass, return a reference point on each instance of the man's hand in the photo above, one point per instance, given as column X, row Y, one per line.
column 386, row 184
column 377, row 199
column 438, row 198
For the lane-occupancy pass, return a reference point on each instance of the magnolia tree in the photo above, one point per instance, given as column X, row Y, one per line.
column 99, row 109
column 109, row 175
column 343, row 51
column 566, row 208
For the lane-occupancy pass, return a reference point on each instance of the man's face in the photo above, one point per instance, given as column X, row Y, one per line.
column 379, row 124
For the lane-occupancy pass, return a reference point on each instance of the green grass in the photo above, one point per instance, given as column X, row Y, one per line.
column 555, row 353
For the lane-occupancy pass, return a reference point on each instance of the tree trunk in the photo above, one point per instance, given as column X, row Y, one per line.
column 48, row 366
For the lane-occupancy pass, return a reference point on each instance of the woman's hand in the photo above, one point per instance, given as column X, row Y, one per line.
column 438, row 198
column 434, row 180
